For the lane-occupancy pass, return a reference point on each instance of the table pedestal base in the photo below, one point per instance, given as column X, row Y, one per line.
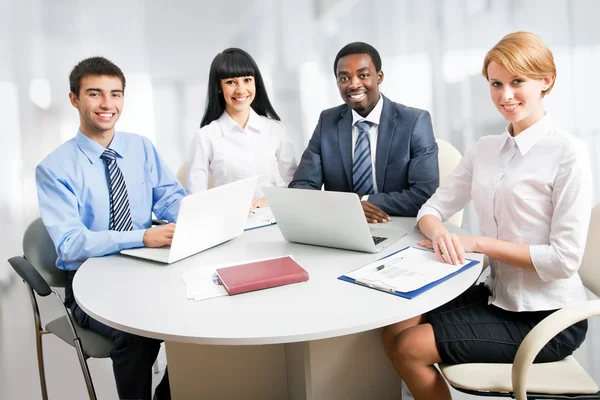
column 346, row 367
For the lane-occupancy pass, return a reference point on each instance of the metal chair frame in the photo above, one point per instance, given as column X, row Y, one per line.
column 531, row 396
column 39, row 247
column 40, row 331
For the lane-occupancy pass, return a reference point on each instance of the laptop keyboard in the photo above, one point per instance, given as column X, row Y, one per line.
column 378, row 239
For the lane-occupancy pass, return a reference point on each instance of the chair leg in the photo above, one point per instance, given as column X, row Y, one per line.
column 40, row 357
column 85, row 370
column 155, row 366
column 38, row 342
column 77, row 343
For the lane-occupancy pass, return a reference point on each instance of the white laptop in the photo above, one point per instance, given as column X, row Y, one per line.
column 331, row 219
column 205, row 219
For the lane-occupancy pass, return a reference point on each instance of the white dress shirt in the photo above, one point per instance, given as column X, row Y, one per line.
column 535, row 188
column 226, row 152
column 373, row 117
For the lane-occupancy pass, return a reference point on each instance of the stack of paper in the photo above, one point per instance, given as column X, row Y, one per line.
column 260, row 217
column 202, row 283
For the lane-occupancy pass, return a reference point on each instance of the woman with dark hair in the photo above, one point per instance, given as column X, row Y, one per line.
column 240, row 134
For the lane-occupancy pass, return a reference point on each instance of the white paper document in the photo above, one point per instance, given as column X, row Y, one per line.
column 202, row 283
column 404, row 271
column 260, row 217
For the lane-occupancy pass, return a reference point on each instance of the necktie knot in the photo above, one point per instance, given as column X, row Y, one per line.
column 109, row 155
column 363, row 126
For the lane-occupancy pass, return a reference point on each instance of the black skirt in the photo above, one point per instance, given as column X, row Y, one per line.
column 469, row 330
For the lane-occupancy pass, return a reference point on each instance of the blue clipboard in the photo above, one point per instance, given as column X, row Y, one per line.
column 260, row 226
column 414, row 293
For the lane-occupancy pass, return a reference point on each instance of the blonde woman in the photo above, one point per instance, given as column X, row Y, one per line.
column 531, row 187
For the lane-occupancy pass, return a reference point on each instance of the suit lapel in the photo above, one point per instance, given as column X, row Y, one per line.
column 387, row 128
column 344, row 128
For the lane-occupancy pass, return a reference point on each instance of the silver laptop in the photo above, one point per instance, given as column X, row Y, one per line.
column 331, row 219
column 205, row 219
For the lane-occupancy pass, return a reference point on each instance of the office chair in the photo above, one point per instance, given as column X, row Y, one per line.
column 182, row 176
column 182, row 173
column 38, row 270
column 448, row 159
column 523, row 380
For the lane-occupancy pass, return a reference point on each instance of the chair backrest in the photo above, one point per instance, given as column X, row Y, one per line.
column 448, row 159
column 589, row 271
column 182, row 176
column 38, row 249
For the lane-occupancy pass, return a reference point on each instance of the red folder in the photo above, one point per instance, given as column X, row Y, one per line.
column 261, row 275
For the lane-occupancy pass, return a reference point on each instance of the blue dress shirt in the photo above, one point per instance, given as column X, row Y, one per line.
column 73, row 191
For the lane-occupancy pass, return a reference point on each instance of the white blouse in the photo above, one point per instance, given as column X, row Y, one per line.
column 535, row 188
column 225, row 152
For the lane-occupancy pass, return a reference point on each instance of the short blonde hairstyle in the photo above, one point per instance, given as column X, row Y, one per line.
column 523, row 54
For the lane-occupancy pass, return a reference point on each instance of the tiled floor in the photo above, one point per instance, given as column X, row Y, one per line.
column 18, row 366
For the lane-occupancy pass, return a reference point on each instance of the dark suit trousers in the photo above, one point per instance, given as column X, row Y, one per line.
column 132, row 355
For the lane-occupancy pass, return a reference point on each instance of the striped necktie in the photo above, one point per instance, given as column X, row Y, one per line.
column 362, row 175
column 120, row 214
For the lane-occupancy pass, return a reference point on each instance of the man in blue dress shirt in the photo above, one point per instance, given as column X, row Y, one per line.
column 97, row 192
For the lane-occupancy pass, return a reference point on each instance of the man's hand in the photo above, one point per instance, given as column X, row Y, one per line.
column 373, row 213
column 159, row 237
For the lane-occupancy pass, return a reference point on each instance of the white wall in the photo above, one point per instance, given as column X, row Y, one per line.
column 431, row 49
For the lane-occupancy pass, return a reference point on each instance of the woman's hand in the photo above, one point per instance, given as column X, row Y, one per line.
column 259, row 202
column 450, row 248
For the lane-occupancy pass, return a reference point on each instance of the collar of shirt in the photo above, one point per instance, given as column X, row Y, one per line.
column 373, row 117
column 530, row 136
column 94, row 150
column 255, row 123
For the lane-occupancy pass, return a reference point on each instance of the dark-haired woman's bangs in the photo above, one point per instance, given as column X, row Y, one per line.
column 234, row 65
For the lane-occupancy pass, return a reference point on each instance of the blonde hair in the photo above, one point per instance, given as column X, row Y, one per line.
column 523, row 54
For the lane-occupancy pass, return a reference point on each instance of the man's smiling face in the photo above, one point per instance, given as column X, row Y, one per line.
column 358, row 82
column 99, row 101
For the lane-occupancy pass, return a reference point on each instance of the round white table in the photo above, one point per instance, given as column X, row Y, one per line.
column 319, row 339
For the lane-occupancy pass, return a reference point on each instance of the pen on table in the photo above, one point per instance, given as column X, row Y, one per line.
column 382, row 266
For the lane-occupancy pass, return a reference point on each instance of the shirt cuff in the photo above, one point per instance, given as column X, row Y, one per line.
column 132, row 239
column 365, row 198
column 426, row 211
column 171, row 213
column 541, row 256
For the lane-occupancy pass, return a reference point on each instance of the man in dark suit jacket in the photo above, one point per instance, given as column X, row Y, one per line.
column 398, row 140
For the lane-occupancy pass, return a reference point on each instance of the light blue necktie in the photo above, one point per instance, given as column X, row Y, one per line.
column 120, row 214
column 362, row 175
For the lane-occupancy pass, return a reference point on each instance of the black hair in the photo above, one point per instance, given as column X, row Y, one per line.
column 93, row 66
column 358, row 48
column 234, row 63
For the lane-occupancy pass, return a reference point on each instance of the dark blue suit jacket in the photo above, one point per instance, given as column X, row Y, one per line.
column 406, row 164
